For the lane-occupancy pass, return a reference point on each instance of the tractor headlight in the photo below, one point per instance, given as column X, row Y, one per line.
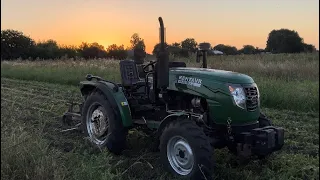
column 238, row 95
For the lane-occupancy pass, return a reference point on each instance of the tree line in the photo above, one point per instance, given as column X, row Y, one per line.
column 14, row 45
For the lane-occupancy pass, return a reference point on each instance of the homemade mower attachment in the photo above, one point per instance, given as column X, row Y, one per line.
column 190, row 110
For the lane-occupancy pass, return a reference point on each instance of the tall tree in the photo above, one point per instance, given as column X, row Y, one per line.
column 309, row 48
column 47, row 50
column 117, row 52
column 93, row 50
column 226, row 49
column 137, row 42
column 190, row 44
column 284, row 41
column 15, row 44
column 176, row 44
column 156, row 48
column 248, row 49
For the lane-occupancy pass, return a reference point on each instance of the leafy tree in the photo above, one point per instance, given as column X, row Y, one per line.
column 69, row 51
column 137, row 42
column 226, row 49
column 175, row 44
column 156, row 48
column 259, row 50
column 284, row 41
column 47, row 50
column 173, row 49
column 309, row 48
column 14, row 44
column 176, row 50
column 116, row 52
column 248, row 49
column 93, row 50
column 190, row 44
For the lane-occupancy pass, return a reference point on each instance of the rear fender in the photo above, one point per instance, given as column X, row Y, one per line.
column 114, row 95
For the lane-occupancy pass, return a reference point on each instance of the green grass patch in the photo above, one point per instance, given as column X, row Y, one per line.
column 33, row 146
column 282, row 85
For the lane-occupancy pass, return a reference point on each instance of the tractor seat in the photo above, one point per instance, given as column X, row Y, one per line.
column 177, row 64
column 129, row 74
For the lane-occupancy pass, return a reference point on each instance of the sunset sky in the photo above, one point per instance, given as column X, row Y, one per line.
column 231, row 22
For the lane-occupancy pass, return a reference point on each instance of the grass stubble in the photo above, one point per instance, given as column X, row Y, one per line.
column 33, row 146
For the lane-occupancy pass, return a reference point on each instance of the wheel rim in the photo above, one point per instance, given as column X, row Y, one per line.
column 180, row 155
column 97, row 123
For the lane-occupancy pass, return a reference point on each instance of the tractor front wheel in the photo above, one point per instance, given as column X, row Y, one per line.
column 101, row 125
column 185, row 150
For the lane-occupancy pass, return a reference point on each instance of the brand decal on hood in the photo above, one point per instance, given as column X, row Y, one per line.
column 190, row 81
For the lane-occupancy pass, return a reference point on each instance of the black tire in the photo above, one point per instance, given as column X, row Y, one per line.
column 264, row 121
column 197, row 140
column 115, row 138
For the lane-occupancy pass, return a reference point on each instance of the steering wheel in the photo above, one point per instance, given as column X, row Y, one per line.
column 151, row 63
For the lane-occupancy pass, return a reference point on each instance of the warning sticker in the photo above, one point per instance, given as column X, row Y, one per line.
column 124, row 103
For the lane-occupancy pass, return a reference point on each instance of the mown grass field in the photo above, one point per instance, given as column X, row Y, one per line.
column 33, row 97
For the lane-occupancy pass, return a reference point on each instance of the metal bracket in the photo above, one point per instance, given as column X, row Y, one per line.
column 71, row 129
column 71, row 116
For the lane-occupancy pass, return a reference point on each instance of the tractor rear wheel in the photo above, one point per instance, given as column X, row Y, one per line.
column 101, row 125
column 185, row 150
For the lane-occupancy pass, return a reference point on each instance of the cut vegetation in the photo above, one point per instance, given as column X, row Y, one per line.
column 34, row 96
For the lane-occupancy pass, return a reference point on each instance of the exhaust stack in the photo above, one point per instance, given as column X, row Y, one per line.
column 162, row 66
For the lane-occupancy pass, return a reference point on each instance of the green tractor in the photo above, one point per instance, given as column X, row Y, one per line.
column 190, row 111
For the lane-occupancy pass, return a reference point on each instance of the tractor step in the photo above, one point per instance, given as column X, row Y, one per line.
column 140, row 121
column 76, row 114
column 69, row 118
column 76, row 127
column 72, row 115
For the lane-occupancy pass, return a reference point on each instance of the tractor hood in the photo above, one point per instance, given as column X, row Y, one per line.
column 212, row 74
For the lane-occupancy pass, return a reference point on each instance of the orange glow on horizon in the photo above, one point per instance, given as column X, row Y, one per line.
column 235, row 23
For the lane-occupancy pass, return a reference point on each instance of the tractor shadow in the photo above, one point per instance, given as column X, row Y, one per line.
column 140, row 161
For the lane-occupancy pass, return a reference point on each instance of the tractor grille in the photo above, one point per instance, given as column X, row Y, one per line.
column 252, row 98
